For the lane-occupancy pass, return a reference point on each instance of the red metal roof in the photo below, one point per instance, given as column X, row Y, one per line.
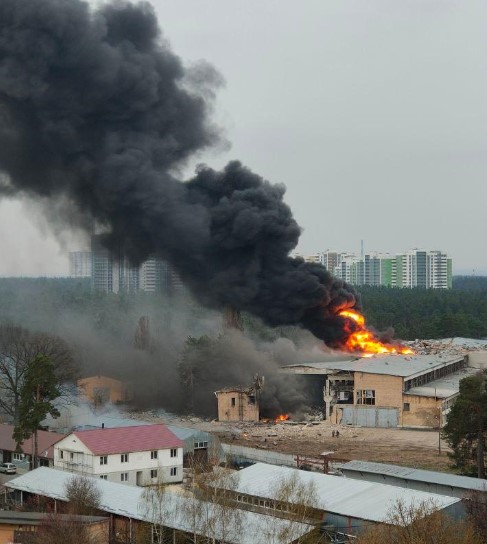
column 44, row 445
column 128, row 439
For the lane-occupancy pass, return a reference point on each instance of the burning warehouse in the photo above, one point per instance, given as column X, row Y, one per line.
column 391, row 390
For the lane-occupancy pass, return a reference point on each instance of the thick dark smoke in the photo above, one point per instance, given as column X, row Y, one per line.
column 96, row 110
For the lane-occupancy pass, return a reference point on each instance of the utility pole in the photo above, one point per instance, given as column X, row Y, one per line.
column 439, row 429
column 36, row 443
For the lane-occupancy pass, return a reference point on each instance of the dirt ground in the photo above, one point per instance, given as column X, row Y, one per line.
column 415, row 448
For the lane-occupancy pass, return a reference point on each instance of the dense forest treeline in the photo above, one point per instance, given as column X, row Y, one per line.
column 430, row 313
column 40, row 303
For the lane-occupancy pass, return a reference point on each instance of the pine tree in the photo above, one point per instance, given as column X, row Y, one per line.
column 466, row 427
column 39, row 390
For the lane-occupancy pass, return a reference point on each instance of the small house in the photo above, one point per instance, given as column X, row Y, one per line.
column 237, row 404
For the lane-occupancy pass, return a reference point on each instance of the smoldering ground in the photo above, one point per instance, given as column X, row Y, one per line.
column 96, row 111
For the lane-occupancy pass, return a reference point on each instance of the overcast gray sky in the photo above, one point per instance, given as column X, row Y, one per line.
column 373, row 113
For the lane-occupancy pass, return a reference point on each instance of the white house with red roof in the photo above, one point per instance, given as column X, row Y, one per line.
column 138, row 455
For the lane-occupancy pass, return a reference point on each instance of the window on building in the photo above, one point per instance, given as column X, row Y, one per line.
column 251, row 399
column 153, row 473
column 71, row 455
column 406, row 407
column 103, row 460
column 174, row 471
column 61, row 454
column 18, row 456
column 174, row 452
column 201, row 445
column 124, row 458
column 153, row 454
column 124, row 477
column 366, row 396
column 103, row 477
column 233, row 401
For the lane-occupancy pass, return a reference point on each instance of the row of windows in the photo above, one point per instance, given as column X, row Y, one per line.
column 255, row 501
column 434, row 375
column 71, row 455
column 124, row 457
column 124, row 476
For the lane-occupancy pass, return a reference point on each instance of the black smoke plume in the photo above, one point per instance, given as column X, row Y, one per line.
column 97, row 111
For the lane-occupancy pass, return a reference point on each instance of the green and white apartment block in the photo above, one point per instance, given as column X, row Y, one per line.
column 429, row 269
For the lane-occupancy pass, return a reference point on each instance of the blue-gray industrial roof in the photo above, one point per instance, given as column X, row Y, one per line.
column 406, row 366
column 444, row 387
column 127, row 501
column 427, row 476
column 183, row 433
column 345, row 496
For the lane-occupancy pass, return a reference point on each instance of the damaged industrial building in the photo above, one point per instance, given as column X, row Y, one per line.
column 392, row 390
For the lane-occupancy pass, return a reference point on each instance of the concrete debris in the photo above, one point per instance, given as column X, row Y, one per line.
column 447, row 346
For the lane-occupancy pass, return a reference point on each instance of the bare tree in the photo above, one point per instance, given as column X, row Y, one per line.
column 476, row 506
column 19, row 348
column 83, row 495
column 62, row 528
column 295, row 502
column 423, row 523
column 211, row 507
column 156, row 509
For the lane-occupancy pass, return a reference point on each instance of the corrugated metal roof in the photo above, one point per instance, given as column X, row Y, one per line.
column 345, row 496
column 392, row 365
column 126, row 500
column 33, row 518
column 428, row 476
column 183, row 433
column 444, row 387
column 128, row 439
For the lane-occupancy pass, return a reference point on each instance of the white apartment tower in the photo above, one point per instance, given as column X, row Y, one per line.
column 428, row 269
column 80, row 264
column 438, row 270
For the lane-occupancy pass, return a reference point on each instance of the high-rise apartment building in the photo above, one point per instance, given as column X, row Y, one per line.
column 350, row 268
column 157, row 275
column 80, row 264
column 115, row 274
column 102, row 267
column 414, row 268
column 438, row 270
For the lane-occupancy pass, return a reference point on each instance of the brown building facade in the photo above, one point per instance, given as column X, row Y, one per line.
column 22, row 527
column 390, row 390
column 102, row 389
column 237, row 404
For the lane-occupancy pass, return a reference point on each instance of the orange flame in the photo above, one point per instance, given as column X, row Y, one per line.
column 364, row 341
column 281, row 417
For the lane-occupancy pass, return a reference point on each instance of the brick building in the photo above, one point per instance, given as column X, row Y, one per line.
column 237, row 404
column 390, row 390
column 102, row 389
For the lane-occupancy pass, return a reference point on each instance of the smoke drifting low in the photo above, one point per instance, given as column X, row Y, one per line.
column 97, row 111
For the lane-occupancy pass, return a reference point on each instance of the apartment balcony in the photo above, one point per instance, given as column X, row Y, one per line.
column 74, row 465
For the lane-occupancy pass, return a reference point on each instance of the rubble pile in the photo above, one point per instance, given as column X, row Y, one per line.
column 448, row 346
